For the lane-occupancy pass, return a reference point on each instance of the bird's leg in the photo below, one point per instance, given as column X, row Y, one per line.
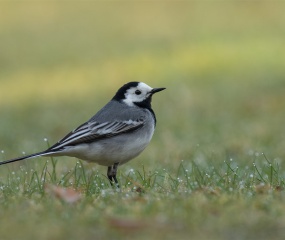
column 111, row 173
column 115, row 168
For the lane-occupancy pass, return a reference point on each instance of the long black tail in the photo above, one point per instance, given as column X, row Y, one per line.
column 24, row 157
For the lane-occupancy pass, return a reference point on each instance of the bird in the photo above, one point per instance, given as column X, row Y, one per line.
column 116, row 134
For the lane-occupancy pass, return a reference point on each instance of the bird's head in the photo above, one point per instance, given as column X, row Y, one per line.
column 136, row 93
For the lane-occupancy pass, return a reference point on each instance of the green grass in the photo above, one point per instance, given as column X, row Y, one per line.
column 215, row 166
column 222, row 199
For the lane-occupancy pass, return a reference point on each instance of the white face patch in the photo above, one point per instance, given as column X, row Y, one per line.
column 137, row 94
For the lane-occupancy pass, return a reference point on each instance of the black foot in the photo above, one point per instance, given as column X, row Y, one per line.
column 111, row 173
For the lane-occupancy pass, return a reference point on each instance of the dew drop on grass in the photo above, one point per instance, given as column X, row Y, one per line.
column 179, row 180
column 251, row 175
column 24, row 153
column 2, row 151
column 45, row 139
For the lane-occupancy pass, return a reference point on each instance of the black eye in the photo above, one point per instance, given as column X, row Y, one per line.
column 138, row 92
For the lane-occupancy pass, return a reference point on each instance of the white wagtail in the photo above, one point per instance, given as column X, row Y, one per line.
column 119, row 132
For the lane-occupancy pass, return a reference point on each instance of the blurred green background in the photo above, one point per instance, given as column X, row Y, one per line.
column 222, row 62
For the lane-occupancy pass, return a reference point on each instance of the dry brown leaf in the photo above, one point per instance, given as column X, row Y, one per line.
column 262, row 188
column 68, row 195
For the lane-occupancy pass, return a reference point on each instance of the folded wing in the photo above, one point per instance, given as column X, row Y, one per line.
column 93, row 131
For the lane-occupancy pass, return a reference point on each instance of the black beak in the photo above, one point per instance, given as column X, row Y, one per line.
column 155, row 90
